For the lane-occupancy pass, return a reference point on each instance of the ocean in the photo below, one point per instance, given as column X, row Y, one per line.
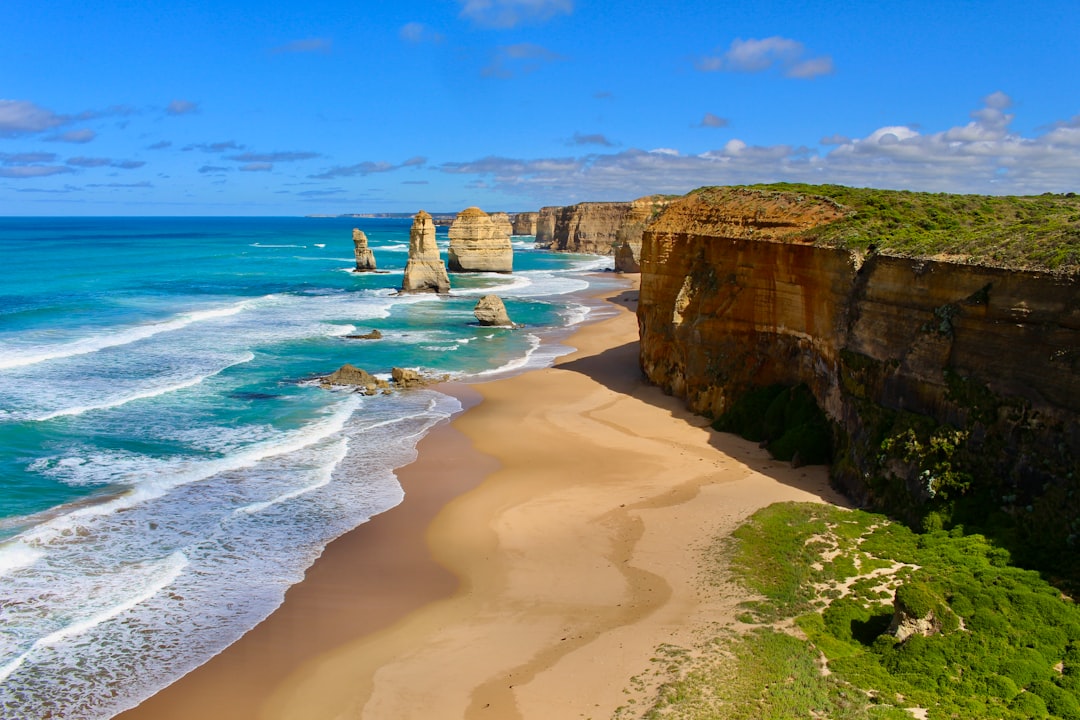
column 169, row 465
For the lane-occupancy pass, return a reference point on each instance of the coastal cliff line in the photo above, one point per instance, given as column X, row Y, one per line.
column 599, row 228
column 950, row 381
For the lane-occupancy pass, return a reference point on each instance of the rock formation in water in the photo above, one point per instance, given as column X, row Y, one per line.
column 944, row 381
column 477, row 245
column 365, row 258
column 545, row 225
column 373, row 335
column 490, row 310
column 424, row 272
column 501, row 222
column 524, row 223
column 351, row 375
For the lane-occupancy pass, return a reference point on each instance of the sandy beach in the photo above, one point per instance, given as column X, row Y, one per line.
column 550, row 539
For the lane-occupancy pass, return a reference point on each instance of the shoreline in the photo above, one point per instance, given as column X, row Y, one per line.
column 547, row 543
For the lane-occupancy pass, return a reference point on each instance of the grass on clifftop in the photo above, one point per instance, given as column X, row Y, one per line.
column 1007, row 646
column 1040, row 232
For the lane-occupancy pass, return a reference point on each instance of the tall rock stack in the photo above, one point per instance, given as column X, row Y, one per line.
column 476, row 245
column 425, row 271
column 365, row 259
column 545, row 225
column 524, row 223
column 501, row 222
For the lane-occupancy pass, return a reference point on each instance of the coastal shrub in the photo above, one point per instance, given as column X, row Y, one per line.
column 788, row 418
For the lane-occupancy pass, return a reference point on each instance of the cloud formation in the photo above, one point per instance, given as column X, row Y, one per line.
column 509, row 60
column 73, row 136
column 250, row 157
column 592, row 139
column 713, row 121
column 754, row 56
column 22, row 117
column 365, row 168
column 181, row 107
column 33, row 171
column 218, row 147
column 511, row 13
column 307, row 45
column 981, row 156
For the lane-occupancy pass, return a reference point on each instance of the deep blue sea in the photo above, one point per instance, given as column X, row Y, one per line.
column 168, row 465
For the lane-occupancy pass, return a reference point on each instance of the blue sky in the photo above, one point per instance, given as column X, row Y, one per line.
column 288, row 108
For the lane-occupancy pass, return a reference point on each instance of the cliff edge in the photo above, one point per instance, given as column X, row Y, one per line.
column 951, row 381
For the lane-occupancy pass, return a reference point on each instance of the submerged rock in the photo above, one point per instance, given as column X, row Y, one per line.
column 490, row 310
column 424, row 271
column 361, row 379
column 373, row 335
column 365, row 258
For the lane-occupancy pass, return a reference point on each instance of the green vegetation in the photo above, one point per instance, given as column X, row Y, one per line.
column 1033, row 232
column 1003, row 643
column 789, row 419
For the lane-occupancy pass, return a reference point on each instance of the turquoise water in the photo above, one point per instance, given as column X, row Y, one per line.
column 168, row 466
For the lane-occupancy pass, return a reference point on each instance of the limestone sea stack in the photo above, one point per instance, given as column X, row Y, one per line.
column 502, row 224
column 490, row 310
column 424, row 271
column 524, row 223
column 365, row 259
column 477, row 245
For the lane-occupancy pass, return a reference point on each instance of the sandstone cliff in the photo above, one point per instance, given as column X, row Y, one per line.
column 545, row 225
column 365, row 258
column 524, row 223
column 943, row 380
column 501, row 222
column 424, row 271
column 479, row 245
column 628, row 234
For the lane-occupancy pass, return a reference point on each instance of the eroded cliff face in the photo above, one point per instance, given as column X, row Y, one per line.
column 477, row 244
column 365, row 258
column 931, row 371
column 628, row 235
column 524, row 223
column 545, row 225
column 589, row 227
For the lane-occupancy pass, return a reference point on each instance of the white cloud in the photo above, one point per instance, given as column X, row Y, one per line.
column 754, row 56
column 713, row 121
column 510, row 13
column 983, row 156
column 73, row 136
column 22, row 117
column 33, row 171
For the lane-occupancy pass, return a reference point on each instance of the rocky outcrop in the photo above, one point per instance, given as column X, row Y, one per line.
column 944, row 381
column 479, row 245
column 424, row 271
column 524, row 223
column 628, row 234
column 362, row 380
column 490, row 310
column 373, row 335
column 501, row 222
column 545, row 225
column 406, row 379
column 599, row 228
column 365, row 258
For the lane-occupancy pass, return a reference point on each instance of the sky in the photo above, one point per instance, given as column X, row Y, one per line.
column 234, row 107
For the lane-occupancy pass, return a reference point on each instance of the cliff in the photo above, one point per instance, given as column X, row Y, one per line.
column 952, row 387
column 524, row 223
column 628, row 235
column 503, row 227
column 545, row 225
column 424, row 271
column 365, row 258
column 478, row 245
column 589, row 227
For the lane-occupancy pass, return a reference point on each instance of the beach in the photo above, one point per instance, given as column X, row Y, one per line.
column 551, row 537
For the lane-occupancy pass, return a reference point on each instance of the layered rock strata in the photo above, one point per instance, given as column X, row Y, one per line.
column 932, row 372
column 478, row 245
column 628, row 235
column 545, row 225
column 501, row 222
column 490, row 310
column 524, row 223
column 424, row 271
column 365, row 258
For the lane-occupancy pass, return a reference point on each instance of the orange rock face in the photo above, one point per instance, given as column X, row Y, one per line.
column 477, row 244
column 731, row 299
